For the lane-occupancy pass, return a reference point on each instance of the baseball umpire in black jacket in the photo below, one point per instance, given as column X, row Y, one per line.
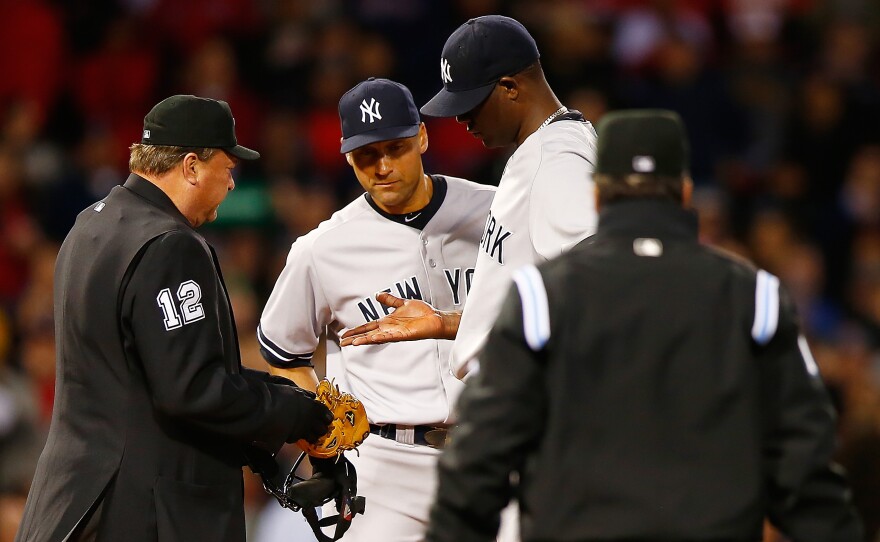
column 644, row 386
column 153, row 411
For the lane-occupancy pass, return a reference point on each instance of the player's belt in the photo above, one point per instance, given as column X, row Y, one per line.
column 424, row 435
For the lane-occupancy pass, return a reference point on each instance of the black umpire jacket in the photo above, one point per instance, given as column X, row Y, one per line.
column 152, row 407
column 670, row 396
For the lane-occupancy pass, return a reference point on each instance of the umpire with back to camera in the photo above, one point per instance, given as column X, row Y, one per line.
column 154, row 413
column 663, row 385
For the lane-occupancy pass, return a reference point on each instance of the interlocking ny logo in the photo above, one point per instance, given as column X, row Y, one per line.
column 444, row 71
column 371, row 109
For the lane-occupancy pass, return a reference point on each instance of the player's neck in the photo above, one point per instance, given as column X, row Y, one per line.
column 420, row 198
column 540, row 116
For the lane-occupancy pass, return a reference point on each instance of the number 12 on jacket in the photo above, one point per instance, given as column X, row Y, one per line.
column 188, row 294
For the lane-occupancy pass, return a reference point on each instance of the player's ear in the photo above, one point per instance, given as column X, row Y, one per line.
column 509, row 86
column 423, row 138
column 349, row 159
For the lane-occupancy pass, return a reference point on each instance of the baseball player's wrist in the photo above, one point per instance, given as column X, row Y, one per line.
column 449, row 324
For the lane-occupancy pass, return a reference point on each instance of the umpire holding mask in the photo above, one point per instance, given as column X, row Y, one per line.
column 645, row 387
column 154, row 413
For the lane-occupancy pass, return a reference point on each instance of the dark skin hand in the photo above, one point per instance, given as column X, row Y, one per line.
column 412, row 320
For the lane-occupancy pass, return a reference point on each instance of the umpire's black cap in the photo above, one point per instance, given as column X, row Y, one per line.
column 647, row 141
column 191, row 121
column 376, row 110
column 475, row 57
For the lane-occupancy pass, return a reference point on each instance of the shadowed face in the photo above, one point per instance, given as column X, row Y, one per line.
column 496, row 120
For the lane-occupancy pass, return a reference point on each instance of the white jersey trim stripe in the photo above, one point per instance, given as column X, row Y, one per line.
column 766, row 307
column 809, row 361
column 273, row 349
column 536, row 313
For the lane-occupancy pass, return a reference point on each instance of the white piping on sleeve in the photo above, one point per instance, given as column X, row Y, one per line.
column 536, row 312
column 809, row 361
column 766, row 307
column 273, row 349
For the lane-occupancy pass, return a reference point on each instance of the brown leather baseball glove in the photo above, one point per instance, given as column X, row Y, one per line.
column 349, row 427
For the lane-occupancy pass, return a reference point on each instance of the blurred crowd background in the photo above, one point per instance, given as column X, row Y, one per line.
column 781, row 99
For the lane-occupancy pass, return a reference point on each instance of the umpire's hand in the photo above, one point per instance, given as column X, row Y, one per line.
column 313, row 419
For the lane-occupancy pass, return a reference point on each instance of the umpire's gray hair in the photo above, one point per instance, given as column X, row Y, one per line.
column 638, row 185
column 159, row 159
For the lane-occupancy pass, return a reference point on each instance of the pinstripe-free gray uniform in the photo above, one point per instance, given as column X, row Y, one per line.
column 330, row 281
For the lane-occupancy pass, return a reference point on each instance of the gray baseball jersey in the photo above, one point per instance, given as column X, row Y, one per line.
column 331, row 278
column 544, row 206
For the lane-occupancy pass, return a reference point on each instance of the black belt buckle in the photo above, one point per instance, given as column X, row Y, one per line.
column 423, row 435
column 437, row 437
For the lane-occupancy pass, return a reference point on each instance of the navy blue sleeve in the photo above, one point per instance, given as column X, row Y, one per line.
column 809, row 499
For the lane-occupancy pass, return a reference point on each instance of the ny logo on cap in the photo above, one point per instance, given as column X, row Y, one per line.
column 371, row 109
column 146, row 134
column 444, row 71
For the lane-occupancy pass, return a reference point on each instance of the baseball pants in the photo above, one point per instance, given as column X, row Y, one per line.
column 398, row 481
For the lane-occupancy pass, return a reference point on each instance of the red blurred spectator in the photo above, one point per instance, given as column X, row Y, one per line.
column 329, row 82
column 189, row 23
column 212, row 72
column 18, row 230
column 115, row 85
column 35, row 320
column 640, row 31
column 32, row 41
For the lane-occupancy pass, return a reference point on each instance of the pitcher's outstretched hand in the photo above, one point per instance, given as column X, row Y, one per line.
column 411, row 320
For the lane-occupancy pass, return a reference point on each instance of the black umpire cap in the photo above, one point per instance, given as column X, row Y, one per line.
column 647, row 141
column 191, row 121
column 376, row 110
column 475, row 57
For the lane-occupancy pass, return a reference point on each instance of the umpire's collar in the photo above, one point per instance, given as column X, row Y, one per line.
column 152, row 193
column 647, row 218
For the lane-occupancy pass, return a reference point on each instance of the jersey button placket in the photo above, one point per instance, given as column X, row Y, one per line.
column 431, row 262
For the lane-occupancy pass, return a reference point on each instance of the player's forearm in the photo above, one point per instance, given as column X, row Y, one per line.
column 304, row 377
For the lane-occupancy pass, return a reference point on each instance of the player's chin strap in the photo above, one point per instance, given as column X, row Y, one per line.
column 334, row 479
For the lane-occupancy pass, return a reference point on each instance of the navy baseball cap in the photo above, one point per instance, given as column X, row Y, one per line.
column 649, row 141
column 376, row 110
column 191, row 121
column 475, row 57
